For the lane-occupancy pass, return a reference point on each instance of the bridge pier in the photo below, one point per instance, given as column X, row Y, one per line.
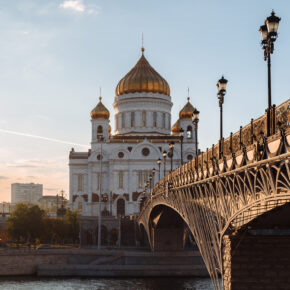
column 256, row 262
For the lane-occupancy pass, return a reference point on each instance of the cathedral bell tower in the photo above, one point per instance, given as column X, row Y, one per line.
column 100, row 122
column 185, row 121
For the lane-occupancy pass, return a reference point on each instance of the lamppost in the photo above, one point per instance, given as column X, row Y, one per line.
column 171, row 147
column 164, row 161
column 181, row 134
column 269, row 35
column 195, row 119
column 221, row 85
column 150, row 183
column 159, row 165
column 101, row 139
column 146, row 186
column 153, row 175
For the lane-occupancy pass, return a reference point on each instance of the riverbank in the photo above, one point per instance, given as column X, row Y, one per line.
column 152, row 283
column 100, row 263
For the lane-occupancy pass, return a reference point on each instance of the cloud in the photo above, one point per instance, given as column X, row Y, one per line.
column 34, row 163
column 43, row 138
column 22, row 166
column 3, row 177
column 41, row 162
column 74, row 5
column 79, row 6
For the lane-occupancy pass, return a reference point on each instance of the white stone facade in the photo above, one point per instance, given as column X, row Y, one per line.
column 125, row 168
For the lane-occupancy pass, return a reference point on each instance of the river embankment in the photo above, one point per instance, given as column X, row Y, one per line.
column 100, row 263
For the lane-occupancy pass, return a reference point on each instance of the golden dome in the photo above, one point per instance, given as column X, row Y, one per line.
column 176, row 127
column 142, row 78
column 187, row 111
column 100, row 111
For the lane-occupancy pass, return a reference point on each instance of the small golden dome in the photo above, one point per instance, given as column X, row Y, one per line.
column 142, row 78
column 100, row 111
column 176, row 127
column 187, row 111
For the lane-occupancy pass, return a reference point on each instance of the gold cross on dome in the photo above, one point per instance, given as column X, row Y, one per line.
column 100, row 98
column 142, row 48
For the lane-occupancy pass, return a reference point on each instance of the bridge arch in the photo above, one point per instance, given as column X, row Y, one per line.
column 167, row 229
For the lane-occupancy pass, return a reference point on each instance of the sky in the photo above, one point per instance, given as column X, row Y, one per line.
column 54, row 56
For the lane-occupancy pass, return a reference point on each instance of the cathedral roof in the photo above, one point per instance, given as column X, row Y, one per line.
column 187, row 111
column 100, row 111
column 176, row 127
column 142, row 78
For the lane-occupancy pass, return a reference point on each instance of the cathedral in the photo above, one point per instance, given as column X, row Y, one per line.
column 143, row 148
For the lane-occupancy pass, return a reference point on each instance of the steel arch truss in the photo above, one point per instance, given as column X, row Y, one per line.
column 216, row 200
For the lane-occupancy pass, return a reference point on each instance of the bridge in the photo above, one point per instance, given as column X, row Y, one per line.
column 234, row 203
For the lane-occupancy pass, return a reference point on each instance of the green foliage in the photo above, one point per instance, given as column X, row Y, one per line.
column 73, row 221
column 28, row 223
column 25, row 223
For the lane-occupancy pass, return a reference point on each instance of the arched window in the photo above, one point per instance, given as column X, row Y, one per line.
column 89, row 237
column 189, row 132
column 154, row 119
column 117, row 121
column 121, row 207
column 132, row 119
column 114, row 237
column 163, row 120
column 104, row 236
column 80, row 182
column 140, row 179
column 98, row 180
column 144, row 119
column 121, row 179
column 100, row 130
column 123, row 120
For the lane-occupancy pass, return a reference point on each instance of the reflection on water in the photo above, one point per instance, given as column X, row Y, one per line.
column 30, row 283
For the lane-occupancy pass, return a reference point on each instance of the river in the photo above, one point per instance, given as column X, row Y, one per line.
column 33, row 283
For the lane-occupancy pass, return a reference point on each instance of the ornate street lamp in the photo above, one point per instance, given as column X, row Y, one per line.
column 146, row 186
column 171, row 146
column 164, row 154
column 181, row 134
column 195, row 119
column 153, row 175
column 159, row 165
column 221, row 85
column 269, row 35
column 150, row 183
column 101, row 139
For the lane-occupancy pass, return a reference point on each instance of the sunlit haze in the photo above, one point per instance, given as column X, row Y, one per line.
column 54, row 56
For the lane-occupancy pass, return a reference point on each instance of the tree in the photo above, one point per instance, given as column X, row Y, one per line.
column 25, row 223
column 72, row 219
column 55, row 231
column 28, row 223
